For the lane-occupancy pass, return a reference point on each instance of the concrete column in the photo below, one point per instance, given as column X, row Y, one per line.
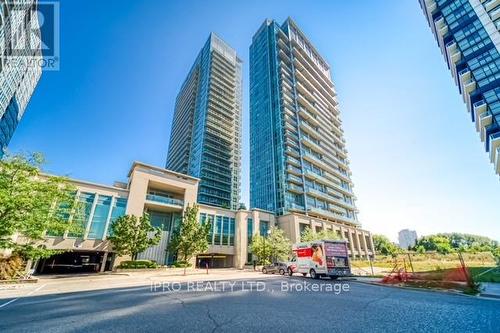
column 256, row 223
column 103, row 262
column 371, row 244
column 367, row 255
column 356, row 234
column 241, row 240
column 351, row 243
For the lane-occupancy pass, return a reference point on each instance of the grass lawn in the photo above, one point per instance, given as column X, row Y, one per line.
column 434, row 262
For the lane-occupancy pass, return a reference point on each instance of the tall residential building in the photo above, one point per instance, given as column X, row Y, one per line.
column 467, row 31
column 407, row 238
column 298, row 159
column 20, row 63
column 205, row 140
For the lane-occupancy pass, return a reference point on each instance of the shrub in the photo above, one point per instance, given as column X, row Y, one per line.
column 138, row 264
column 11, row 268
column 181, row 264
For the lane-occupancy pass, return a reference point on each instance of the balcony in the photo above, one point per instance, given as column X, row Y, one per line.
column 293, row 178
column 308, row 116
column 464, row 75
column 480, row 111
column 296, row 207
column 293, row 161
column 309, row 130
column 294, row 170
column 456, row 56
column 164, row 200
column 469, row 86
column 431, row 6
column 307, row 105
column 312, row 144
column 494, row 146
column 497, row 163
column 331, row 215
column 321, row 212
column 340, row 189
column 320, row 178
column 489, row 5
column 292, row 151
column 495, row 15
column 294, row 188
column 318, row 193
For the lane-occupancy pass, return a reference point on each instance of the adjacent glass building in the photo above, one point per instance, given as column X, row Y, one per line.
column 20, row 63
column 467, row 31
column 205, row 141
column 298, row 159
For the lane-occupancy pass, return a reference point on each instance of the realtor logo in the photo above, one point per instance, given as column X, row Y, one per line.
column 31, row 33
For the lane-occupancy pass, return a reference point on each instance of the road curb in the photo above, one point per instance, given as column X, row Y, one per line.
column 449, row 292
column 490, row 296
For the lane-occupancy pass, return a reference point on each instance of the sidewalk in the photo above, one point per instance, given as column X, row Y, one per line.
column 61, row 284
column 490, row 289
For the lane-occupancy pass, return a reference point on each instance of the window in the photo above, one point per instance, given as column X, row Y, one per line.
column 231, row 231
column 249, row 230
column 117, row 211
column 218, row 231
column 225, row 231
column 100, row 217
column 86, row 200
column 264, row 227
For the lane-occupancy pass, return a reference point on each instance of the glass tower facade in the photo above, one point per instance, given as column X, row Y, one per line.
column 205, row 140
column 467, row 31
column 20, row 63
column 298, row 160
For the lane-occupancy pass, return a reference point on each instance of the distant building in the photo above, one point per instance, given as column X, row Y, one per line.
column 20, row 68
column 407, row 238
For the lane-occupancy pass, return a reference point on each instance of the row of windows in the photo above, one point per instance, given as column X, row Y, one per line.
column 222, row 229
column 96, row 210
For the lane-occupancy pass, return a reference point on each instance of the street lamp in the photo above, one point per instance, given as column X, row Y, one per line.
column 268, row 232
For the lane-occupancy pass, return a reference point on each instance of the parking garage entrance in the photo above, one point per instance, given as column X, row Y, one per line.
column 76, row 262
column 214, row 261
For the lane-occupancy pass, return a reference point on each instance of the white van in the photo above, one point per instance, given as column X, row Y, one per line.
column 320, row 258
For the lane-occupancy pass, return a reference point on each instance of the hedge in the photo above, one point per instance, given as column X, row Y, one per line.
column 137, row 264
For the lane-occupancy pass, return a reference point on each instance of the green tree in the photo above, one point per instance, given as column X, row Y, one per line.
column 420, row 249
column 309, row 235
column 190, row 238
column 32, row 203
column 384, row 246
column 131, row 235
column 440, row 244
column 273, row 247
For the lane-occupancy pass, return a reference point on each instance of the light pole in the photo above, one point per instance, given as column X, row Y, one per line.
column 268, row 232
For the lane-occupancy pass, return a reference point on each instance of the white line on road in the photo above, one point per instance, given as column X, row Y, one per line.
column 28, row 294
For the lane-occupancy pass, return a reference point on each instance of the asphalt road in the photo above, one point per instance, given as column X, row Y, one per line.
column 256, row 306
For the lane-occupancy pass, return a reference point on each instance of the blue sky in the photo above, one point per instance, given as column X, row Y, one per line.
column 416, row 159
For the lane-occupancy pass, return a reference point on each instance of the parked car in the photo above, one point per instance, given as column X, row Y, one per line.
column 277, row 267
